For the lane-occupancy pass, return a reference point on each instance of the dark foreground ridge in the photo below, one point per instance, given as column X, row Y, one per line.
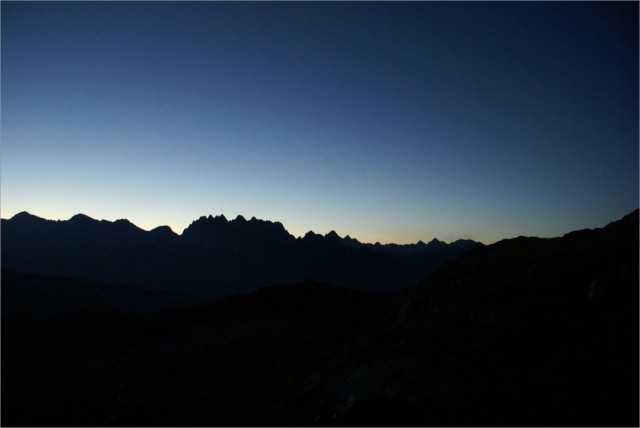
column 35, row 294
column 524, row 332
column 213, row 257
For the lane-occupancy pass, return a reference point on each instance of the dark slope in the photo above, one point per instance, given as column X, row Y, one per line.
column 226, row 363
column 35, row 294
column 213, row 257
column 81, row 247
column 527, row 331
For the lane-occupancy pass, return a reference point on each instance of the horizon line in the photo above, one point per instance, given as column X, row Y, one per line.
column 228, row 219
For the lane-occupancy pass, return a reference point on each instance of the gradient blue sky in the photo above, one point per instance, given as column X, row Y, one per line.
column 390, row 122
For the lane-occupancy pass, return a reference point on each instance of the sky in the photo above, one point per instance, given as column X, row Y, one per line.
column 389, row 122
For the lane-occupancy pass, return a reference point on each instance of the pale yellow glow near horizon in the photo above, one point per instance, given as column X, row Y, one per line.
column 179, row 223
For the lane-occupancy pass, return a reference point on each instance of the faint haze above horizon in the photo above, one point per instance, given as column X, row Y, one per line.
column 240, row 217
column 385, row 121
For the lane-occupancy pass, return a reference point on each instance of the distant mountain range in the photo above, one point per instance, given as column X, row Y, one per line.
column 523, row 332
column 213, row 257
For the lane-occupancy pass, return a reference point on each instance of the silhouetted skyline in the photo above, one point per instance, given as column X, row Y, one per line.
column 389, row 122
column 526, row 320
column 213, row 256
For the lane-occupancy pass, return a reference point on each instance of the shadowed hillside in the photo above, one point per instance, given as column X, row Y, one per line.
column 25, row 293
column 226, row 363
column 527, row 331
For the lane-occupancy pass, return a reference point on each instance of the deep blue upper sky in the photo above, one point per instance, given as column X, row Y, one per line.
column 385, row 121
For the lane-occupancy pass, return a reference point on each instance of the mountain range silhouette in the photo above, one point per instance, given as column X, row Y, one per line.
column 213, row 257
column 524, row 332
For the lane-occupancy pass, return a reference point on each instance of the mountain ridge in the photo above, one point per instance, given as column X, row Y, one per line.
column 550, row 321
column 221, row 219
column 213, row 256
column 527, row 331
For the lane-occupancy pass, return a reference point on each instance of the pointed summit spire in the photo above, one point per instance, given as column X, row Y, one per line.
column 332, row 235
column 435, row 242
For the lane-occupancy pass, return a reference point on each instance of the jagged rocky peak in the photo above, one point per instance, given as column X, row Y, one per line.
column 258, row 224
column 220, row 218
column 310, row 235
column 210, row 219
column 436, row 243
column 332, row 235
column 348, row 238
column 204, row 224
column 239, row 228
column 270, row 225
